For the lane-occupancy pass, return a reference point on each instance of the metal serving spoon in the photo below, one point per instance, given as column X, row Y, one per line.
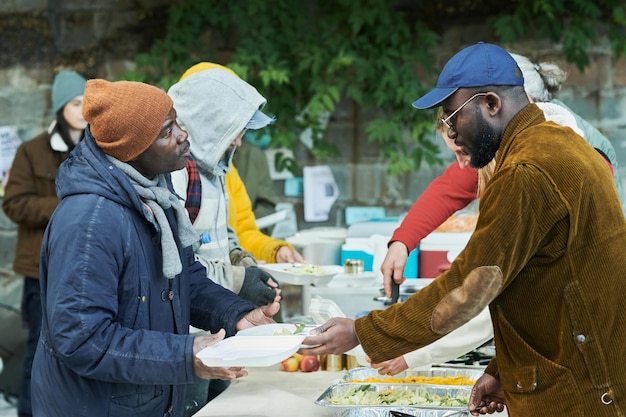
column 450, row 413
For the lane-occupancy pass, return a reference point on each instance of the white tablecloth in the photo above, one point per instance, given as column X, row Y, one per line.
column 270, row 392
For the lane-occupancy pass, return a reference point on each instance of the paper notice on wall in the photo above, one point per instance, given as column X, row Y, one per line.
column 320, row 192
column 9, row 141
column 280, row 153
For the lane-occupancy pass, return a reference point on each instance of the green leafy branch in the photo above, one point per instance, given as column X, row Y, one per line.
column 307, row 55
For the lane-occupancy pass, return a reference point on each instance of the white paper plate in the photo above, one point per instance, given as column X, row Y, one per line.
column 250, row 351
column 285, row 273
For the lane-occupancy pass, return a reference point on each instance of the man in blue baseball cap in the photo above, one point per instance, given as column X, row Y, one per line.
column 463, row 81
column 546, row 257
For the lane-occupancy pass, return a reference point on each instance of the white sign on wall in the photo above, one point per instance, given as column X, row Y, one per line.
column 9, row 141
column 320, row 192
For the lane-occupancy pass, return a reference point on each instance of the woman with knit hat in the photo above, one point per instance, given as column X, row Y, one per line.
column 120, row 285
column 30, row 199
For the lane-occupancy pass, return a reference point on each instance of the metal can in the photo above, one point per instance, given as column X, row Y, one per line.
column 332, row 362
column 351, row 362
column 353, row 266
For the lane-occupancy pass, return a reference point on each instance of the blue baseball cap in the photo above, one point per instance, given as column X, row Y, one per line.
column 259, row 120
column 478, row 65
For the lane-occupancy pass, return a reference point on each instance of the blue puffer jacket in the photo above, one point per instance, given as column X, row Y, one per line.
column 112, row 342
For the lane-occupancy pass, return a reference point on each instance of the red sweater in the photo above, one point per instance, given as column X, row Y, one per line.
column 448, row 193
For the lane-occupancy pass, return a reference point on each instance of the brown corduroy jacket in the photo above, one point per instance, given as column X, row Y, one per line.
column 30, row 198
column 549, row 258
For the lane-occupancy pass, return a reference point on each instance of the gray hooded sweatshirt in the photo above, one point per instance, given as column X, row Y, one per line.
column 214, row 107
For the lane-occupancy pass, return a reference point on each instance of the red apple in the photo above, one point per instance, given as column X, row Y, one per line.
column 289, row 365
column 309, row 364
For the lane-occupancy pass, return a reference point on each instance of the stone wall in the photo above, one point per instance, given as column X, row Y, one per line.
column 38, row 38
column 99, row 39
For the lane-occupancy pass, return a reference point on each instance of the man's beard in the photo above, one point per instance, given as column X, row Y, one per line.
column 487, row 145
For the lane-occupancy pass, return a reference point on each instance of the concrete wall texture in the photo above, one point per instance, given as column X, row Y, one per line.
column 99, row 38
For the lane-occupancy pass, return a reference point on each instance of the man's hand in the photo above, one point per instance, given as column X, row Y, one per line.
column 258, row 287
column 393, row 265
column 260, row 315
column 487, row 396
column 335, row 336
column 287, row 255
column 391, row 367
column 206, row 372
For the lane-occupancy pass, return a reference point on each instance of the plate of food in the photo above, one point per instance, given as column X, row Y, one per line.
column 277, row 329
column 302, row 273
column 250, row 351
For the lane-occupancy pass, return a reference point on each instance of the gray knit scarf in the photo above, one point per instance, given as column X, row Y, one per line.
column 158, row 197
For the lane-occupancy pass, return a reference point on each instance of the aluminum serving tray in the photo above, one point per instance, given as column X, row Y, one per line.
column 367, row 372
column 341, row 389
column 381, row 412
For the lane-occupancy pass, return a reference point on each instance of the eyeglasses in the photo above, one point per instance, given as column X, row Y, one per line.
column 446, row 121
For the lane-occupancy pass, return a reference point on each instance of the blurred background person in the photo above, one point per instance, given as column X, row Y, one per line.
column 30, row 198
column 242, row 219
column 542, row 82
column 456, row 187
column 254, row 170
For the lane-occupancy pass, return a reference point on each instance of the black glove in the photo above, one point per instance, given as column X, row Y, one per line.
column 255, row 289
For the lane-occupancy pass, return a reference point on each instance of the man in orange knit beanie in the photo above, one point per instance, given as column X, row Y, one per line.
column 120, row 284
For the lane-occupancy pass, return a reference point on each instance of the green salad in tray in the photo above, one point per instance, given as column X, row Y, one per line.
column 363, row 395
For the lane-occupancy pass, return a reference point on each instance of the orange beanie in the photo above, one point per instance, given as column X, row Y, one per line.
column 125, row 117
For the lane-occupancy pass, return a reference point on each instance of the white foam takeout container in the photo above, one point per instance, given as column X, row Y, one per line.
column 285, row 273
column 257, row 346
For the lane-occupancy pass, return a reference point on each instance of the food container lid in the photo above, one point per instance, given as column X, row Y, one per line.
column 323, row 309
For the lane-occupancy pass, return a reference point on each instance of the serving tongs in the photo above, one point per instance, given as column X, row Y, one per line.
column 395, row 292
column 395, row 295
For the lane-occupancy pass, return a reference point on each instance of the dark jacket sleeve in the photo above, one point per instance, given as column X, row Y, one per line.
column 213, row 307
column 29, row 197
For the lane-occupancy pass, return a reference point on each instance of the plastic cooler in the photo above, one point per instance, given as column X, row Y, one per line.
column 438, row 250
column 354, row 249
column 359, row 244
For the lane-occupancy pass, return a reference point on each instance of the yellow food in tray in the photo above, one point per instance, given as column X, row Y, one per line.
column 465, row 222
column 418, row 379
